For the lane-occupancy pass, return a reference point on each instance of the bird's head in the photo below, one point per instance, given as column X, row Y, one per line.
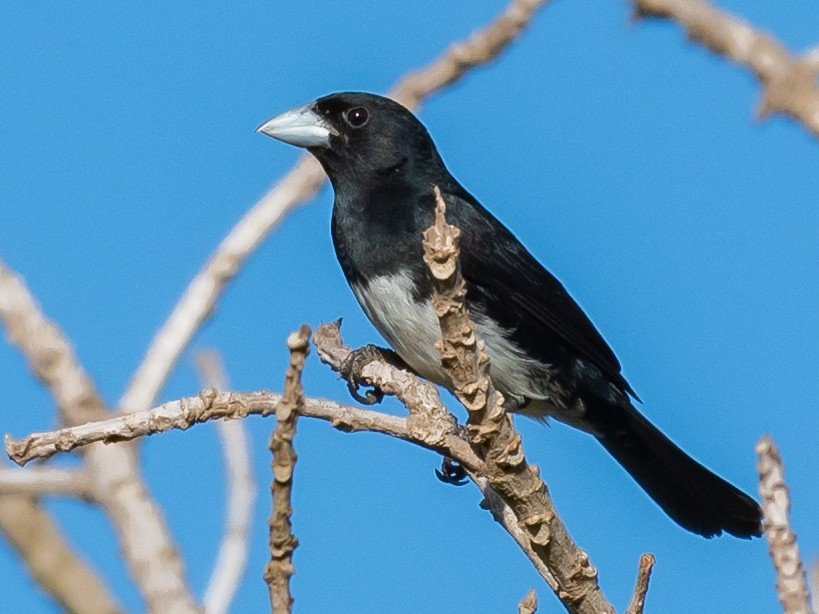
column 357, row 135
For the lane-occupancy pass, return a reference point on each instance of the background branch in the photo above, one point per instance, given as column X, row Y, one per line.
column 39, row 481
column 788, row 83
column 153, row 560
column 240, row 495
column 52, row 562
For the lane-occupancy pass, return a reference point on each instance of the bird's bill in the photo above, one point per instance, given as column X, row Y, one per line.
column 302, row 127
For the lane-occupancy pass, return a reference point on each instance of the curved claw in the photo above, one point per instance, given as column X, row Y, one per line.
column 452, row 472
column 370, row 397
column 351, row 371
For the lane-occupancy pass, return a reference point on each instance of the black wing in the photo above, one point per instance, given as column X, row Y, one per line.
column 516, row 290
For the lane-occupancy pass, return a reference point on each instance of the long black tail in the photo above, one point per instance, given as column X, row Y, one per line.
column 693, row 496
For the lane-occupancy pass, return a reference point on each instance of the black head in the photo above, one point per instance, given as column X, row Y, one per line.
column 359, row 137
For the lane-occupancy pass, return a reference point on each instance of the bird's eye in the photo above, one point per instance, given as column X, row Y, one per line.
column 357, row 117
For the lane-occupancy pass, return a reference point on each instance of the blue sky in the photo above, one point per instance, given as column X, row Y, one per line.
column 627, row 160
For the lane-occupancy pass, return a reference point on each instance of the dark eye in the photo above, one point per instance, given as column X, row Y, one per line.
column 357, row 116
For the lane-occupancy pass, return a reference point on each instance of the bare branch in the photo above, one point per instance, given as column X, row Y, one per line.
column 240, row 494
column 791, row 585
column 39, row 481
column 789, row 83
column 480, row 48
column 151, row 555
column 49, row 354
column 492, row 433
column 280, row 568
column 211, row 405
column 528, row 605
column 50, row 560
column 638, row 598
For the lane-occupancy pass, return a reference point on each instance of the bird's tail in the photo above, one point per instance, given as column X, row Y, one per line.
column 693, row 496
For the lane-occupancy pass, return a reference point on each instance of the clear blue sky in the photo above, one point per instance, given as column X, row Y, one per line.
column 628, row 160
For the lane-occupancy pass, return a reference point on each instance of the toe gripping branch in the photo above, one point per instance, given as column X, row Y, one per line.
column 351, row 371
column 451, row 472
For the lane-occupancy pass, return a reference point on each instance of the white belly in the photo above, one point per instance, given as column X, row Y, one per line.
column 412, row 329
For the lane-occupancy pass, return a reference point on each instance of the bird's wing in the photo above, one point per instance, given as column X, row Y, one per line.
column 525, row 298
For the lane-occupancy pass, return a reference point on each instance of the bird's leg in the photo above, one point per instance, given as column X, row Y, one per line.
column 357, row 359
column 451, row 472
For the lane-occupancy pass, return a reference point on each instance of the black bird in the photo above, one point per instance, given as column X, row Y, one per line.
column 546, row 355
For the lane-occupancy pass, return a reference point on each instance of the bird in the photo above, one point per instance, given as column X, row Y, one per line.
column 545, row 354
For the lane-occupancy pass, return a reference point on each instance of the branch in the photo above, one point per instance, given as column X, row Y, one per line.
column 299, row 185
column 492, row 433
column 50, row 355
column 638, row 598
column 280, row 568
column 39, row 481
column 480, row 48
column 788, row 82
column 213, row 405
column 152, row 558
column 240, row 494
column 51, row 561
column 791, row 585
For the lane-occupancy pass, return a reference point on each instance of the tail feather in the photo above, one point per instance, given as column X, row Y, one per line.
column 694, row 497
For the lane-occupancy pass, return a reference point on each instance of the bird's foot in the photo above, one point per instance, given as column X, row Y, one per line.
column 451, row 472
column 351, row 371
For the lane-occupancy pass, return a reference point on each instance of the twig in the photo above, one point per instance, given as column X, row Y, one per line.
column 492, row 433
column 528, row 605
column 280, row 568
column 208, row 405
column 39, row 481
column 51, row 561
column 638, row 597
column 791, row 585
column 240, row 494
column 152, row 557
column 789, row 83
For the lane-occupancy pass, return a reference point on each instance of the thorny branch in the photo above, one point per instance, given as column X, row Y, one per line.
column 789, row 83
column 280, row 568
